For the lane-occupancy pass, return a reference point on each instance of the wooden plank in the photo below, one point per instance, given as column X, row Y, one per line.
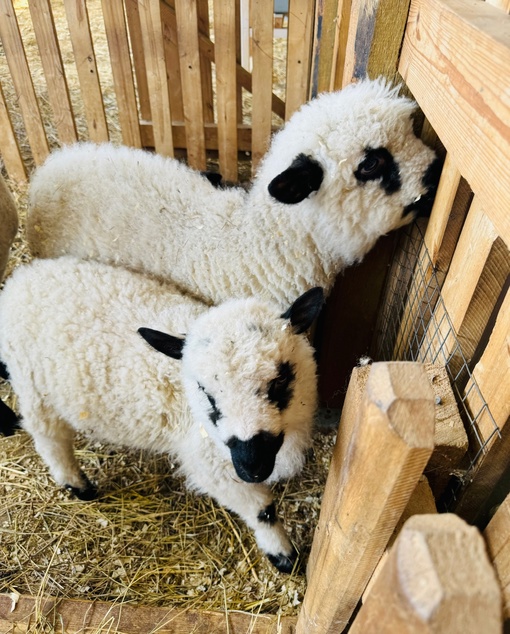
column 497, row 538
column 325, row 45
column 211, row 136
column 379, row 456
column 85, row 59
column 11, row 153
column 189, row 57
column 118, row 44
column 226, row 88
column 375, row 38
column 299, row 52
column 501, row 4
column 341, row 42
column 262, row 76
column 76, row 617
column 22, row 80
column 51, row 59
column 157, row 81
column 437, row 580
column 205, row 64
column 456, row 62
column 136, row 38
column 173, row 70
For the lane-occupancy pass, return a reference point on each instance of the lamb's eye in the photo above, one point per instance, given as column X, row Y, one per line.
column 371, row 166
column 279, row 389
column 214, row 414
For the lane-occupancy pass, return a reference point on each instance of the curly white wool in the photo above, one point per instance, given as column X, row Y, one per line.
column 153, row 214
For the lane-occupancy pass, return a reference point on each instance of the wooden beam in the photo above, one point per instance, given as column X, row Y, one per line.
column 436, row 580
column 497, row 537
column 299, row 51
column 456, row 62
column 11, row 153
column 379, row 455
column 85, row 59
column 22, row 80
column 375, row 39
column 76, row 617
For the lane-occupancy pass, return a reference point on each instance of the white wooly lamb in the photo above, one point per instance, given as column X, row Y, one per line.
column 236, row 411
column 344, row 170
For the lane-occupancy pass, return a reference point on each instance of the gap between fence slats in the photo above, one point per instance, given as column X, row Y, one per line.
column 456, row 62
column 173, row 68
column 189, row 57
column 262, row 76
column 85, row 59
column 22, row 80
column 9, row 145
column 118, row 44
column 51, row 59
column 136, row 38
column 205, row 65
column 157, row 81
column 226, row 86
column 299, row 51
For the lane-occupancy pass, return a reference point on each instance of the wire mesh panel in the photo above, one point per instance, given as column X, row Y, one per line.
column 414, row 325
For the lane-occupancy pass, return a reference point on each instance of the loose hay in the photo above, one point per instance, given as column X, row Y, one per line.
column 147, row 540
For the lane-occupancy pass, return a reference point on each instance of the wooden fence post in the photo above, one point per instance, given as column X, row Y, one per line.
column 497, row 536
column 385, row 439
column 436, row 580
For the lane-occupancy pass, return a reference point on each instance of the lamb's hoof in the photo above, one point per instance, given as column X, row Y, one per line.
column 87, row 492
column 284, row 563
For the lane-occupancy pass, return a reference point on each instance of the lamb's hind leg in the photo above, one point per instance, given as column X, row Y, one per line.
column 57, row 451
column 254, row 504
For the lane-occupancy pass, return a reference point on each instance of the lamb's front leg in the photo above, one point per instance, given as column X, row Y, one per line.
column 254, row 504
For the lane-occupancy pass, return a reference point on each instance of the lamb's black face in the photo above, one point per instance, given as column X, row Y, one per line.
column 254, row 459
column 379, row 164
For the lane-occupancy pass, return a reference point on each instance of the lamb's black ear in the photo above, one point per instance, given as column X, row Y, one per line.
column 167, row 344
column 305, row 309
column 298, row 181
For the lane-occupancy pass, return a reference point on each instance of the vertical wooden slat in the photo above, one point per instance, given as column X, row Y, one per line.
column 205, row 64
column 325, row 45
column 173, row 70
column 299, row 51
column 51, row 58
column 262, row 74
column 9, row 144
column 136, row 38
column 189, row 56
column 22, row 80
column 340, row 46
column 81, row 38
column 116, row 33
column 157, row 81
column 379, row 455
column 375, row 37
column 226, row 86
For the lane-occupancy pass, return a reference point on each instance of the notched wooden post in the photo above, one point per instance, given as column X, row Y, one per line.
column 385, row 439
column 436, row 580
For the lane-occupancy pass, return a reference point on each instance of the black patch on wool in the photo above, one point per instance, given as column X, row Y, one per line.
column 380, row 164
column 268, row 515
column 279, row 389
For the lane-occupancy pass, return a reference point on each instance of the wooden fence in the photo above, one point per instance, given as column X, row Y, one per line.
column 454, row 57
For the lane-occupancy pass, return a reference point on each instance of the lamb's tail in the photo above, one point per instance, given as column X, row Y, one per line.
column 9, row 421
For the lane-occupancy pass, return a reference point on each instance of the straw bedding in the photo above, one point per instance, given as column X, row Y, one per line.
column 146, row 540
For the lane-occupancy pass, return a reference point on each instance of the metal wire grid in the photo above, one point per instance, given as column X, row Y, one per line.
column 414, row 325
